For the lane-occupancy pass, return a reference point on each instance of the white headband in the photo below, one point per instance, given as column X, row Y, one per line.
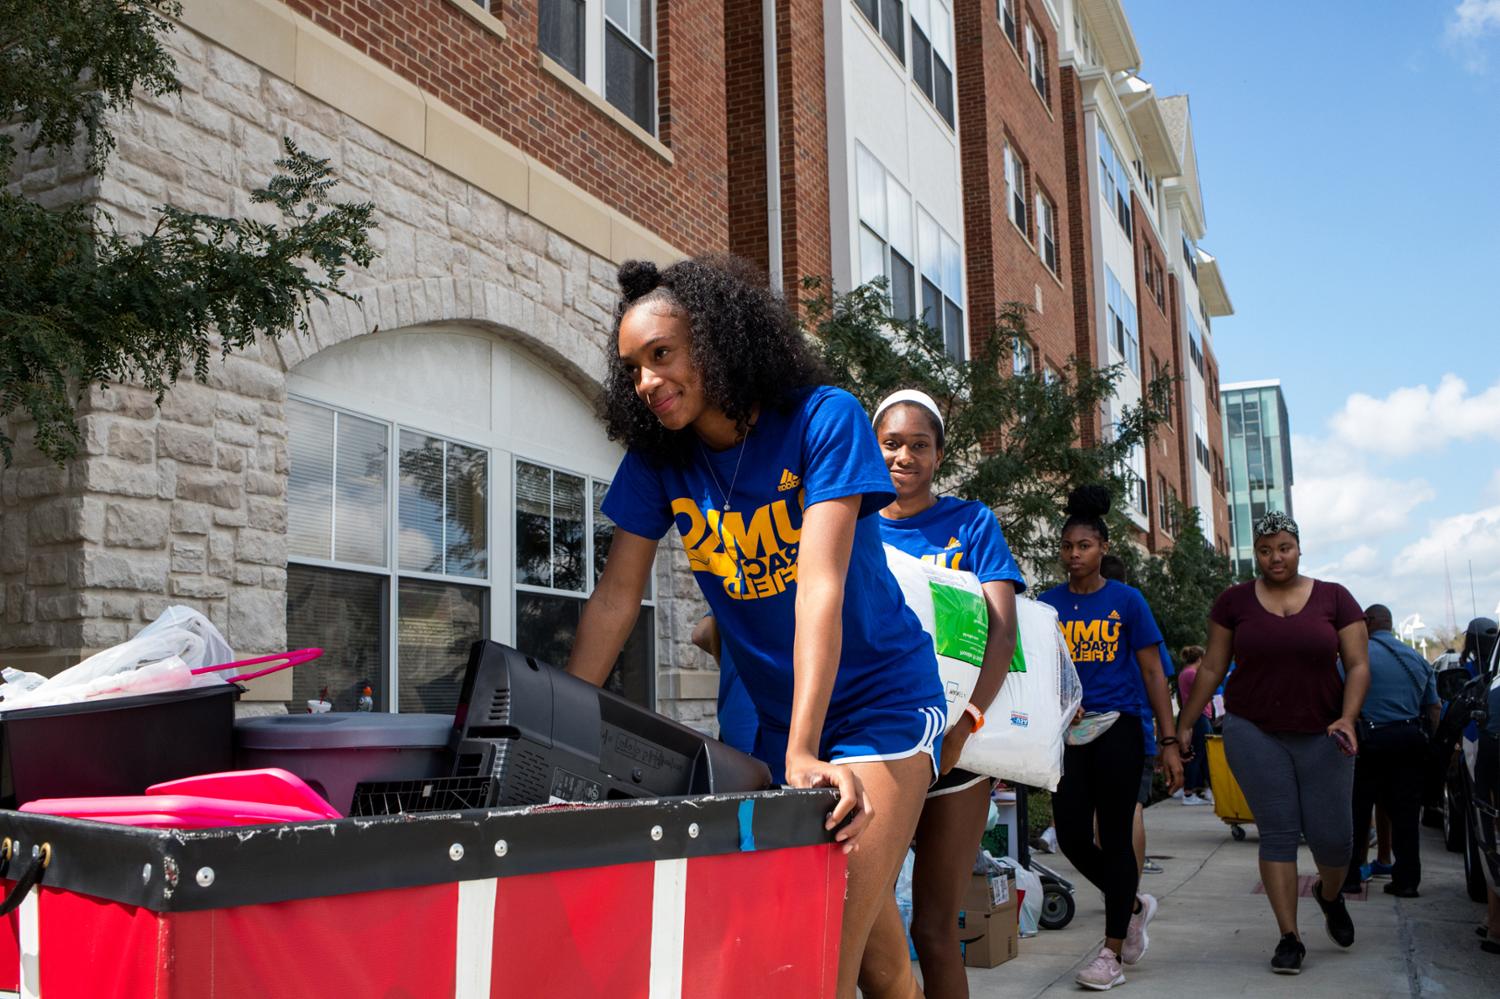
column 915, row 398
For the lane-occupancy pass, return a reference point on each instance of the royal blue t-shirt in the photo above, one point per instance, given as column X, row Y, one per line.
column 1103, row 628
column 1148, row 716
column 737, row 718
column 956, row 534
column 745, row 557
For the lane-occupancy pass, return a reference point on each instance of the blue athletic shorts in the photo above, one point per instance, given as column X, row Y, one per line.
column 863, row 736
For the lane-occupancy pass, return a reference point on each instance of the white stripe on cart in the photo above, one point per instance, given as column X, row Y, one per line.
column 476, row 938
column 668, row 915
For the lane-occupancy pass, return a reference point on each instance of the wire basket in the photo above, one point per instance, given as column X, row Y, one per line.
column 437, row 794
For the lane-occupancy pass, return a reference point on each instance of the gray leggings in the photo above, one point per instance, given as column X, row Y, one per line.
column 1294, row 783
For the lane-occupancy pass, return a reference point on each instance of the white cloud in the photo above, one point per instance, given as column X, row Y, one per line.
column 1338, row 499
column 1466, row 539
column 1474, row 18
column 1418, row 418
column 1493, row 490
column 1470, row 23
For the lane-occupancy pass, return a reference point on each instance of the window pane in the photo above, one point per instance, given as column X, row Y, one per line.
column 953, row 329
column 929, row 248
column 629, row 79
column 870, row 179
column 344, row 614
column 898, row 220
column 604, row 532
column 921, row 12
column 567, row 532
column 871, row 255
column 634, row 18
column 891, row 24
column 360, row 491
column 561, row 33
column 942, row 31
column 419, row 502
column 546, row 623
column 932, row 305
column 309, row 487
column 436, row 623
column 921, row 60
column 533, row 524
column 903, row 288
column 466, row 514
column 953, row 268
column 871, row 9
column 942, row 84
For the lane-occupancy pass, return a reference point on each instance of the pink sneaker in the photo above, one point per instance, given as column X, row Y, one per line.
column 1102, row 973
column 1136, row 940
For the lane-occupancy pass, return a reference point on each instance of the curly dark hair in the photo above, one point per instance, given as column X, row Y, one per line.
column 746, row 345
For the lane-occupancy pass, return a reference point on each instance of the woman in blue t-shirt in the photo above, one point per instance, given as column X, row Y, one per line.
column 1105, row 622
column 774, row 483
column 964, row 535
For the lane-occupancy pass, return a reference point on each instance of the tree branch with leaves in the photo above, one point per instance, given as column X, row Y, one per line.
column 82, row 303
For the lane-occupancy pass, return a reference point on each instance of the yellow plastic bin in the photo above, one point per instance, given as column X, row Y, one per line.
column 1229, row 801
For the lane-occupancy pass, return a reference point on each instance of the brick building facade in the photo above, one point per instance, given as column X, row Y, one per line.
column 951, row 146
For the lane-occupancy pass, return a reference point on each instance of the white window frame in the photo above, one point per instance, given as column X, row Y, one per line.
column 1006, row 11
column 877, row 22
column 499, row 581
column 940, row 40
column 595, row 25
column 896, row 231
column 1036, row 60
column 1114, row 182
column 1122, row 322
column 946, row 262
column 1046, row 231
column 1015, row 190
column 1021, row 359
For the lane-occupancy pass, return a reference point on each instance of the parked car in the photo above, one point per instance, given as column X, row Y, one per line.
column 1471, row 726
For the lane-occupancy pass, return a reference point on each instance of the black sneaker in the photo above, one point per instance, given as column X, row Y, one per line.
column 1289, row 954
column 1400, row 892
column 1335, row 917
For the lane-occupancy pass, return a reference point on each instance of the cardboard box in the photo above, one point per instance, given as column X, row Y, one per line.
column 989, row 932
column 986, row 893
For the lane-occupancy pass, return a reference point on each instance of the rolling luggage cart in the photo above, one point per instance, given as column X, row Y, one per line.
column 1229, row 800
column 730, row 896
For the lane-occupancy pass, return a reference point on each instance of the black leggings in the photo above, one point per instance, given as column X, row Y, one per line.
column 1099, row 781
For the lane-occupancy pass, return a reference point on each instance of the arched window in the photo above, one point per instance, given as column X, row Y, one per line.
column 444, row 487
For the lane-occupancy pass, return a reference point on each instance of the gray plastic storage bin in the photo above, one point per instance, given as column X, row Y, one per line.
column 335, row 751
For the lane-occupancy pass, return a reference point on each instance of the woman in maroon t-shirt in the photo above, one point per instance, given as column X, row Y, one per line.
column 1289, row 722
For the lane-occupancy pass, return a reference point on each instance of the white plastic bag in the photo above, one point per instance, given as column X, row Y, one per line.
column 215, row 650
column 950, row 604
column 1030, row 916
column 1022, row 737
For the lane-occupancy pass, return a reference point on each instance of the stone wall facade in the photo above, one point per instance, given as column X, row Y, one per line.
column 186, row 502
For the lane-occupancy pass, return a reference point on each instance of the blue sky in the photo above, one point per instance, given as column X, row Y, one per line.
column 1350, row 164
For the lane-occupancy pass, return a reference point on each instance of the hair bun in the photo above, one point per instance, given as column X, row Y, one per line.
column 1088, row 501
column 637, row 277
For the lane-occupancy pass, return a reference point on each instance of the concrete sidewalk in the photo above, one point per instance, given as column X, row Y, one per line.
column 1214, row 936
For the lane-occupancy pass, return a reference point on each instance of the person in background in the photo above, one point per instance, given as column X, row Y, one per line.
column 1113, row 567
column 963, row 535
column 1400, row 709
column 774, row 482
column 1195, row 770
column 1103, row 621
column 1289, row 722
column 737, row 718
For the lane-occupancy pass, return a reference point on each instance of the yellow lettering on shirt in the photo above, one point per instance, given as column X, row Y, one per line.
column 1092, row 641
column 753, row 560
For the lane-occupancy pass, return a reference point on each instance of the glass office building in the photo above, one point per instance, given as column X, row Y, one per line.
column 1258, row 450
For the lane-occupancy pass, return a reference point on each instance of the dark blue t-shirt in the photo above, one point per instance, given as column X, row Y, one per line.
column 956, row 534
column 1148, row 716
column 1102, row 629
column 745, row 557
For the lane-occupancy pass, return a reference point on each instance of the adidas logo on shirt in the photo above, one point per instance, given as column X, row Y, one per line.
column 1114, row 615
column 953, row 543
column 788, row 481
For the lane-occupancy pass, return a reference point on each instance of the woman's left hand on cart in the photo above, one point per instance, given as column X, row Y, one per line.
column 854, row 803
